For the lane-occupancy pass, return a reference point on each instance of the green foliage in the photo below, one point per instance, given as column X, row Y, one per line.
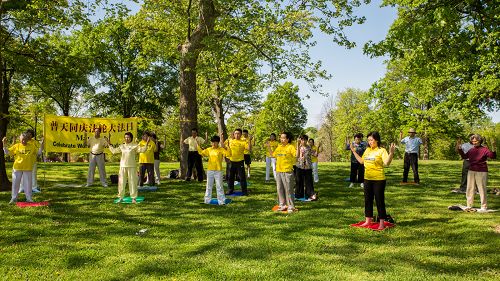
column 132, row 83
column 452, row 45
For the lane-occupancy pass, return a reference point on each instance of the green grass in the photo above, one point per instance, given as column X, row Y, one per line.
column 83, row 235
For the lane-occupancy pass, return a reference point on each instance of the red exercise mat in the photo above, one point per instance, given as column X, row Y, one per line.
column 32, row 204
column 373, row 225
column 275, row 209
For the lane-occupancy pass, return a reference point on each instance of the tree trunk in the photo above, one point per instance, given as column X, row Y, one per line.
column 425, row 155
column 5, row 184
column 219, row 115
column 190, row 50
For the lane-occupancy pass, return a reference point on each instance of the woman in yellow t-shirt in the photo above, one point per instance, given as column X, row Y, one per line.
column 375, row 158
column 25, row 154
column 286, row 156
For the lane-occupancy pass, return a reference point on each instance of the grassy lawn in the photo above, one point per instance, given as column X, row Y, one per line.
column 83, row 235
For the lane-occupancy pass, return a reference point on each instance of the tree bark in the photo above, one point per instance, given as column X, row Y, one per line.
column 219, row 114
column 5, row 184
column 190, row 51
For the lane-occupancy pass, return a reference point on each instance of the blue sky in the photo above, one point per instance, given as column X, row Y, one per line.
column 350, row 68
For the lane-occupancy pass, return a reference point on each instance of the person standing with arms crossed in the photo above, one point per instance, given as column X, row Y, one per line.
column 412, row 147
column 96, row 157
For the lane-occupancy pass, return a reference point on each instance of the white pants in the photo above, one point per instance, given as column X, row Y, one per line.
column 99, row 161
column 270, row 162
column 157, row 171
column 34, row 183
column 16, row 182
column 217, row 176
column 127, row 174
column 479, row 180
column 315, row 171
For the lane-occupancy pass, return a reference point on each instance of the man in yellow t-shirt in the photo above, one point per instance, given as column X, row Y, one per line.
column 270, row 160
column 96, row 157
column 24, row 156
column 34, row 182
column 147, row 160
column 237, row 162
column 194, row 158
column 215, row 156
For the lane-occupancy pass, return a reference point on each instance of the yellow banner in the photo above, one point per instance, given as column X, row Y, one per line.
column 70, row 134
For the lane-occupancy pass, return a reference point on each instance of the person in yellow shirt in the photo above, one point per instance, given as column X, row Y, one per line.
column 34, row 184
column 194, row 158
column 316, row 150
column 24, row 156
column 271, row 161
column 285, row 155
column 96, row 157
column 247, row 153
column 215, row 156
column 237, row 161
column 128, row 165
column 147, row 160
column 374, row 158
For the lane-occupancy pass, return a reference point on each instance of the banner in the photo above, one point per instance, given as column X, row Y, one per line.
column 70, row 134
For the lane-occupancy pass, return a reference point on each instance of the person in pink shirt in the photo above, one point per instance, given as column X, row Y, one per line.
column 477, row 176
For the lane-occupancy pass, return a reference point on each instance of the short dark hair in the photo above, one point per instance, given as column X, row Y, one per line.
column 245, row 131
column 129, row 134
column 239, row 130
column 215, row 139
column 376, row 136
column 358, row 135
column 146, row 133
column 153, row 135
column 288, row 135
column 31, row 132
column 273, row 134
column 311, row 140
column 304, row 137
column 194, row 129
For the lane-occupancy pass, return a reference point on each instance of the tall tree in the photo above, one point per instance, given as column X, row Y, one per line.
column 21, row 23
column 279, row 33
column 131, row 81
column 451, row 44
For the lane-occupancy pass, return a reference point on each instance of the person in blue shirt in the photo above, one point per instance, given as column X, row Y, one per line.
column 357, row 169
column 412, row 146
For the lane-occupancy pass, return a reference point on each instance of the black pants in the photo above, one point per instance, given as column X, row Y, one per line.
column 411, row 159
column 237, row 167
column 146, row 167
column 304, row 182
column 465, row 171
column 357, row 172
column 194, row 159
column 375, row 189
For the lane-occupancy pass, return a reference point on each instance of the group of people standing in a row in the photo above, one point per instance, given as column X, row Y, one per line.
column 294, row 166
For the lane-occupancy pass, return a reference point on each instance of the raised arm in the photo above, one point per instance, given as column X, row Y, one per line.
column 358, row 157
column 392, row 148
column 5, row 148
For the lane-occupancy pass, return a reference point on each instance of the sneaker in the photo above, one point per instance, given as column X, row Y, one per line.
column 105, row 185
column 119, row 200
column 351, row 185
column 362, row 185
column 13, row 201
column 313, row 198
column 291, row 210
column 134, row 201
column 482, row 210
column 35, row 190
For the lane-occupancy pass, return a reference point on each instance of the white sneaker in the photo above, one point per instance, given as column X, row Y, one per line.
column 291, row 210
column 35, row 190
column 281, row 209
column 351, row 185
column 13, row 201
column 482, row 210
column 362, row 185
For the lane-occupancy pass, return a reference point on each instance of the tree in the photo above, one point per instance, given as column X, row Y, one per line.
column 276, row 32
column 451, row 44
column 22, row 22
column 132, row 82
column 282, row 111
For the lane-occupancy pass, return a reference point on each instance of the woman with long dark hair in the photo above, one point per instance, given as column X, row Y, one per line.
column 375, row 158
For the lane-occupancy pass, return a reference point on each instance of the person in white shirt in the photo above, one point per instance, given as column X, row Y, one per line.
column 96, row 157
column 194, row 158
column 412, row 146
column 128, row 165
